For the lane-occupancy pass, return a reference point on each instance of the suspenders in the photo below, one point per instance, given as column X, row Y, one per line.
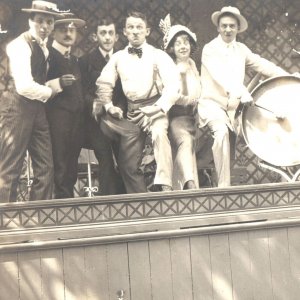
column 154, row 84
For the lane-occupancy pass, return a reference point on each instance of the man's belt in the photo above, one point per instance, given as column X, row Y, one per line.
column 135, row 105
column 134, row 114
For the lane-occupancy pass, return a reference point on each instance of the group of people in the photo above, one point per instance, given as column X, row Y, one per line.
column 109, row 102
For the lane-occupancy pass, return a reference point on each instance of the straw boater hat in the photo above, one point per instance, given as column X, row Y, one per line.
column 170, row 31
column 70, row 20
column 232, row 10
column 44, row 7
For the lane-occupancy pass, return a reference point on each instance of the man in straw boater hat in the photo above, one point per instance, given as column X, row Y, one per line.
column 65, row 110
column 23, row 123
column 222, row 78
column 150, row 83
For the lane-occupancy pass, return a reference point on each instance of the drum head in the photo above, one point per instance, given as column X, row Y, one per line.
column 274, row 140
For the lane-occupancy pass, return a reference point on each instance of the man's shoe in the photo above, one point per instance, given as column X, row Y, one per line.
column 166, row 188
column 190, row 185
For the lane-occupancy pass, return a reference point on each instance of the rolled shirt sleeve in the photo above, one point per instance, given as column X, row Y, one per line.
column 19, row 54
column 106, row 82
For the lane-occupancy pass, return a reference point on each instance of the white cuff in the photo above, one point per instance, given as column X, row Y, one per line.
column 46, row 98
column 107, row 106
column 54, row 85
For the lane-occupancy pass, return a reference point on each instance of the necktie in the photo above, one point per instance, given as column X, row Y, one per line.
column 107, row 57
column 67, row 54
column 43, row 45
column 137, row 51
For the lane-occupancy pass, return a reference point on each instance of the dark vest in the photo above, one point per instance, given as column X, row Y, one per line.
column 71, row 98
column 38, row 60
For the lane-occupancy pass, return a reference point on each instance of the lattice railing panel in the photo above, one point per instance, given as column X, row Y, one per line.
column 134, row 207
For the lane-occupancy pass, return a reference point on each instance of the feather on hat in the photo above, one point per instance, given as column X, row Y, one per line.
column 170, row 31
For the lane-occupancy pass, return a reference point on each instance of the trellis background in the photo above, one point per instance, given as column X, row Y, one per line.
column 274, row 30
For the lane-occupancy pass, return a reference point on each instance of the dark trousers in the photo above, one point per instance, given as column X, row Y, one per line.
column 110, row 181
column 129, row 159
column 66, row 129
column 24, row 126
column 131, row 144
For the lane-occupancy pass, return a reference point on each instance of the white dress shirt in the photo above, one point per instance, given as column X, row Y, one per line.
column 136, row 75
column 60, row 48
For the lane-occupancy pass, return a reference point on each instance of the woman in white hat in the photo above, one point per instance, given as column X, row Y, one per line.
column 180, row 43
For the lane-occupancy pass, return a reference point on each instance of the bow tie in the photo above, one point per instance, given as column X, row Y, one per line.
column 137, row 51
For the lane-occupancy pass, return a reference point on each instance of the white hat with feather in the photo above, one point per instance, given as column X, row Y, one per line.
column 171, row 31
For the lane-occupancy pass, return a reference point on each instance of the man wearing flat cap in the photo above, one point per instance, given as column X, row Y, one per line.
column 224, row 61
column 23, row 123
column 65, row 110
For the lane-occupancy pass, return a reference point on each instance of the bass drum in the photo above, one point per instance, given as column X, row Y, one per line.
column 274, row 140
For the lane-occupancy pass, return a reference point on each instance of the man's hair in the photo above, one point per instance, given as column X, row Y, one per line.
column 136, row 14
column 105, row 22
column 228, row 14
column 31, row 16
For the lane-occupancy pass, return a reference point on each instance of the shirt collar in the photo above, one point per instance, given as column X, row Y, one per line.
column 38, row 39
column 104, row 53
column 227, row 45
column 60, row 48
column 140, row 47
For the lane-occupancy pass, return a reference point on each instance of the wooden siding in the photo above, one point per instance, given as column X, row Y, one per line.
column 258, row 264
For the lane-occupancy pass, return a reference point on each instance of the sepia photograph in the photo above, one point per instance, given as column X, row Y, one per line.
column 149, row 149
